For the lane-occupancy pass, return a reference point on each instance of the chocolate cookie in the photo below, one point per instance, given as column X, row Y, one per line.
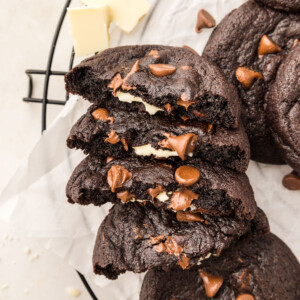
column 138, row 237
column 158, row 79
column 193, row 187
column 249, row 45
column 285, row 5
column 113, row 132
column 283, row 108
column 257, row 268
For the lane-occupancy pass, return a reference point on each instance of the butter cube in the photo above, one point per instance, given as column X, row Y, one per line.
column 125, row 13
column 89, row 29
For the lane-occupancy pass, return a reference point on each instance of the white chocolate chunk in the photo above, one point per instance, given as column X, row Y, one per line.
column 147, row 150
column 89, row 29
column 73, row 292
column 126, row 97
column 125, row 13
column 162, row 197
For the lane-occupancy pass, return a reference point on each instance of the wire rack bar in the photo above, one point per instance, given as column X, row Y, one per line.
column 45, row 101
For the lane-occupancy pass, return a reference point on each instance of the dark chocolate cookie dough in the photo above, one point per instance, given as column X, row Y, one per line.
column 285, row 5
column 196, row 186
column 249, row 45
column 283, row 108
column 257, row 268
column 137, row 237
column 112, row 131
column 166, row 79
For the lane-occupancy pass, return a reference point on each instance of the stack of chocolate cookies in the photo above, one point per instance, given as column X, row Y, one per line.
column 166, row 146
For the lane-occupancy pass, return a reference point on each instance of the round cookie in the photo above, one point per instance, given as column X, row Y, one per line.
column 138, row 237
column 257, row 268
column 285, row 5
column 283, row 109
column 194, row 187
column 112, row 131
column 249, row 45
column 155, row 79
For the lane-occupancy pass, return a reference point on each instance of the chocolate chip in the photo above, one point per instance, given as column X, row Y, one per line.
column 160, row 248
column 181, row 200
column 124, row 142
column 102, row 114
column 212, row 283
column 246, row 76
column 267, row 46
column 160, row 70
column 156, row 239
column 190, row 49
column 133, row 70
column 169, row 108
column 109, row 159
column 116, row 83
column 172, row 247
column 154, row 192
column 295, row 43
column 187, row 216
column 117, row 176
column 154, row 53
column 204, row 20
column 184, row 262
column 291, row 181
column 113, row 138
column 125, row 196
column 245, row 297
column 187, row 175
column 185, row 104
column 182, row 144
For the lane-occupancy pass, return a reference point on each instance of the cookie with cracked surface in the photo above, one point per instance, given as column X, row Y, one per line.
column 137, row 237
column 249, row 45
column 113, row 132
column 194, row 187
column 285, row 5
column 154, row 78
column 283, row 108
column 255, row 268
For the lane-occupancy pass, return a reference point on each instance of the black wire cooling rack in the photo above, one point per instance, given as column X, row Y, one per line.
column 45, row 101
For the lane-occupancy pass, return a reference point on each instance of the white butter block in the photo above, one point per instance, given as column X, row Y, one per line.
column 89, row 29
column 125, row 13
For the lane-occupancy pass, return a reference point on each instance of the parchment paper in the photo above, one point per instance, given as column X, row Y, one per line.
column 34, row 201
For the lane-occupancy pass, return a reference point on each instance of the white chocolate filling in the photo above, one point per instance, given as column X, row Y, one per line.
column 126, row 97
column 162, row 197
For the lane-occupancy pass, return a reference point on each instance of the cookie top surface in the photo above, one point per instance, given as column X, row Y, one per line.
column 285, row 5
column 159, row 76
column 283, row 107
column 137, row 237
column 250, row 43
column 111, row 131
column 263, row 267
column 196, row 186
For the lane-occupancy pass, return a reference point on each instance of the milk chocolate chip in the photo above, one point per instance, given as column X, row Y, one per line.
column 169, row 108
column 157, row 239
column 109, row 159
column 154, row 53
column 113, row 138
column 291, row 181
column 160, row 70
column 182, row 144
column 212, row 283
column 184, row 262
column 181, row 200
column 117, row 176
column 133, row 70
column 245, row 297
column 190, row 49
column 188, row 216
column 267, row 46
column 116, row 83
column 102, row 114
column 187, row 175
column 125, row 196
column 204, row 20
column 124, row 142
column 155, row 191
column 246, row 76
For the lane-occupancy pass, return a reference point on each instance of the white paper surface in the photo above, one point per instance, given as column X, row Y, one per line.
column 34, row 201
